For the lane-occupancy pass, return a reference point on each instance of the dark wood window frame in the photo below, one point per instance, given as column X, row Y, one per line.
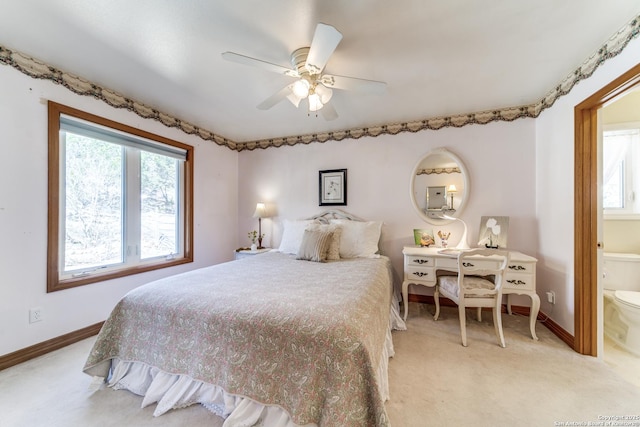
column 54, row 282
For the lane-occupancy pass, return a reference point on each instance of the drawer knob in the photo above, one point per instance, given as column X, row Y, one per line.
column 468, row 264
column 420, row 273
column 516, row 282
column 517, row 267
column 421, row 261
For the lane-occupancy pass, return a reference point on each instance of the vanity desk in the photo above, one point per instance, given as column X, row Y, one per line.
column 421, row 264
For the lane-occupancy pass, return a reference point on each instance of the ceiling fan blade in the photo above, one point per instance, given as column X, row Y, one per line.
column 351, row 83
column 325, row 40
column 275, row 98
column 246, row 60
column 328, row 112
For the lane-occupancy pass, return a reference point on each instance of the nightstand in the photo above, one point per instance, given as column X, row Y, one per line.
column 248, row 253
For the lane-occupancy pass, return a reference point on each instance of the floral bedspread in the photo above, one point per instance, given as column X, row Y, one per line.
column 302, row 335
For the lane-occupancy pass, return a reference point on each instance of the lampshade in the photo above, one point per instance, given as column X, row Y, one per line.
column 314, row 102
column 301, row 88
column 452, row 188
column 261, row 211
column 295, row 100
column 324, row 92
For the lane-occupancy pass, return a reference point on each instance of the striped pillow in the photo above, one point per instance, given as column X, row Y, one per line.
column 333, row 253
column 315, row 245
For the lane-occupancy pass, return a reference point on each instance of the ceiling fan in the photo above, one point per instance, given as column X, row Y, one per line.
column 311, row 84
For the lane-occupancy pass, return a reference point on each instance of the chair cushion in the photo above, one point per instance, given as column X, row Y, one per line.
column 450, row 285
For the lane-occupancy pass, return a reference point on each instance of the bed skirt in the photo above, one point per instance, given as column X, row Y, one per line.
column 174, row 391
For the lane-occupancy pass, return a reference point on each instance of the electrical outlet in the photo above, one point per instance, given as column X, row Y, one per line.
column 35, row 315
column 551, row 297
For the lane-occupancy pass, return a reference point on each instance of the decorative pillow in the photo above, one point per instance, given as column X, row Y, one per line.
column 314, row 245
column 333, row 253
column 292, row 235
column 359, row 238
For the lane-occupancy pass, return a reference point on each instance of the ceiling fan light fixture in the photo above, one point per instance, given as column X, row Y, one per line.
column 324, row 92
column 294, row 99
column 307, row 67
column 301, row 88
column 315, row 103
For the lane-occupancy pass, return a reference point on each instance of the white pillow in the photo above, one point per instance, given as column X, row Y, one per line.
column 333, row 254
column 359, row 238
column 292, row 235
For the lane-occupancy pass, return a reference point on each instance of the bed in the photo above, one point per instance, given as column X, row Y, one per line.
column 273, row 340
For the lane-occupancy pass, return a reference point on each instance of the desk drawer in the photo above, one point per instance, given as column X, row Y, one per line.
column 522, row 282
column 447, row 263
column 521, row 267
column 452, row 264
column 420, row 274
column 419, row 261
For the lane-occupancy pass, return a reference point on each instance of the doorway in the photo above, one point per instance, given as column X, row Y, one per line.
column 586, row 213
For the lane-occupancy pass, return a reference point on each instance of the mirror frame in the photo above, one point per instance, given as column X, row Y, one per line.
column 463, row 201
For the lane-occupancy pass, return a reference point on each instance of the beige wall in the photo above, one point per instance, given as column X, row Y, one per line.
column 626, row 109
column 622, row 235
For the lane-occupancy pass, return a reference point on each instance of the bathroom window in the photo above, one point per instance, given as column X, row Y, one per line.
column 621, row 155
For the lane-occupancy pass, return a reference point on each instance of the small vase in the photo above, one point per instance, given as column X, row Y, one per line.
column 254, row 247
column 444, row 243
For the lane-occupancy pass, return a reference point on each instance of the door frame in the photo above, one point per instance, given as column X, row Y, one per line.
column 586, row 209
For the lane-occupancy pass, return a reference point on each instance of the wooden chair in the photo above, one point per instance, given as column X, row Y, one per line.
column 478, row 284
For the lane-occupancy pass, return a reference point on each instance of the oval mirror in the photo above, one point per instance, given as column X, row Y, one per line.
column 439, row 186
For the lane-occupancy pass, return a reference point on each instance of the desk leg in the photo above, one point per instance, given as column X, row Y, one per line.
column 533, row 314
column 405, row 297
column 509, row 303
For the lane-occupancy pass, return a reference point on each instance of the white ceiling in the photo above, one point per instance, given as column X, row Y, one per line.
column 438, row 57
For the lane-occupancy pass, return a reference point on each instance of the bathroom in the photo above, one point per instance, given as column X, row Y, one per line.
column 620, row 269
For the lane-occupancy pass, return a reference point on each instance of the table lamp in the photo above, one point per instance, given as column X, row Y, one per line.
column 462, row 244
column 452, row 189
column 261, row 212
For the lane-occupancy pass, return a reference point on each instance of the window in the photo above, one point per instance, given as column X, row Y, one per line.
column 620, row 152
column 120, row 200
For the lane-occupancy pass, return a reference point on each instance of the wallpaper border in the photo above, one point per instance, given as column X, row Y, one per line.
column 39, row 70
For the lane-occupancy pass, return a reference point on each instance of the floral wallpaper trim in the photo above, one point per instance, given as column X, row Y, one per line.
column 611, row 48
column 437, row 171
column 40, row 70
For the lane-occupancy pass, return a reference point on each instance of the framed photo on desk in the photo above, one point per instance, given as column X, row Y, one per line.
column 493, row 232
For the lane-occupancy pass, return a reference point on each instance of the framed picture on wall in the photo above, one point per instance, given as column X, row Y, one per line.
column 333, row 187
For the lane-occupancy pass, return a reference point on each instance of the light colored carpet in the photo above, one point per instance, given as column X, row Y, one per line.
column 434, row 382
